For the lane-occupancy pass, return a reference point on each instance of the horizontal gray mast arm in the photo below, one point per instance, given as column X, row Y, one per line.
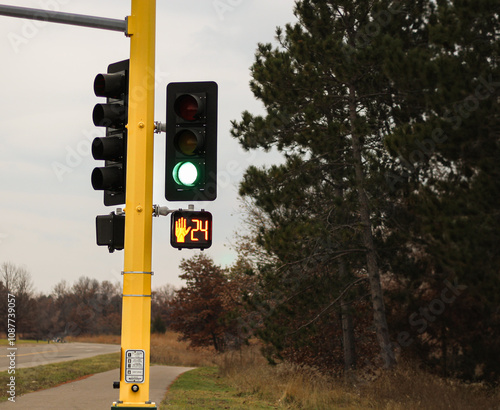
column 65, row 18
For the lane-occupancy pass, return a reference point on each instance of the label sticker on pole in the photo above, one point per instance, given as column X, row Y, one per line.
column 134, row 366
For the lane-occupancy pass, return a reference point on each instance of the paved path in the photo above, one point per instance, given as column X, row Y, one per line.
column 95, row 392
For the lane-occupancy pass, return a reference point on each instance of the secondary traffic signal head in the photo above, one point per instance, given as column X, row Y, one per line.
column 191, row 161
column 113, row 147
column 110, row 231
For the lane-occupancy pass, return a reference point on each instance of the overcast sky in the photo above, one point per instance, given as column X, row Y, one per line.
column 47, row 204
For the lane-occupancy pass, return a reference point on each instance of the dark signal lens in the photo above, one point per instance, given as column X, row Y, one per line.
column 186, row 142
column 100, row 85
column 187, row 107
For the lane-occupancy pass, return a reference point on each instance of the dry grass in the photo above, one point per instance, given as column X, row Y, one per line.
column 294, row 387
column 411, row 388
column 406, row 388
column 289, row 386
column 165, row 349
column 107, row 339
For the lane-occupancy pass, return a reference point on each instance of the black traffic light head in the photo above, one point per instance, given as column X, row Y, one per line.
column 110, row 231
column 113, row 147
column 191, row 161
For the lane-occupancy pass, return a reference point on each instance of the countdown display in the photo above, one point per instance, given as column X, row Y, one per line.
column 191, row 229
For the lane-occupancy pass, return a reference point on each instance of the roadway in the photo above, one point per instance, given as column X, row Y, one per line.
column 37, row 354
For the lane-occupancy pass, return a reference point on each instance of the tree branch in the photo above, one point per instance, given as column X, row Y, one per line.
column 329, row 306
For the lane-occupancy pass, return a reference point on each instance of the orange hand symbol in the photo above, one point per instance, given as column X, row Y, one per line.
column 180, row 230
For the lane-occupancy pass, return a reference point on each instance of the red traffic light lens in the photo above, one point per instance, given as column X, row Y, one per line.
column 99, row 85
column 187, row 107
column 111, row 85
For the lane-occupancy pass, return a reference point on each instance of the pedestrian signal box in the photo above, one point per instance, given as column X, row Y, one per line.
column 191, row 229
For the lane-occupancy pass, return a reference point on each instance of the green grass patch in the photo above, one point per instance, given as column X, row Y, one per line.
column 32, row 379
column 203, row 388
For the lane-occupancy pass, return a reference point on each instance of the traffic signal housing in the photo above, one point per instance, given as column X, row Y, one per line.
column 191, row 229
column 110, row 231
column 113, row 147
column 191, row 157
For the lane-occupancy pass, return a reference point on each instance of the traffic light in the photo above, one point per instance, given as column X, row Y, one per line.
column 191, row 229
column 110, row 231
column 113, row 147
column 191, row 160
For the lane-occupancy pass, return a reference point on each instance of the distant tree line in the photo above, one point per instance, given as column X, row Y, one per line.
column 87, row 307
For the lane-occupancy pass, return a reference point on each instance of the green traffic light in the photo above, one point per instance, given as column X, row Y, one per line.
column 186, row 174
column 191, row 143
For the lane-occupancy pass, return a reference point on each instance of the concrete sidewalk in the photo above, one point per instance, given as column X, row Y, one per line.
column 95, row 392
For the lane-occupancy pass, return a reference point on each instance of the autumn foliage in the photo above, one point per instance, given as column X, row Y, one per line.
column 201, row 310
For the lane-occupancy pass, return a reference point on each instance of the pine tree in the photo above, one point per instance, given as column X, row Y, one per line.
column 387, row 115
column 328, row 105
column 445, row 175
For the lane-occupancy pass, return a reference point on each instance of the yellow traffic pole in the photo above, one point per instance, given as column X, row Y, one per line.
column 136, row 310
